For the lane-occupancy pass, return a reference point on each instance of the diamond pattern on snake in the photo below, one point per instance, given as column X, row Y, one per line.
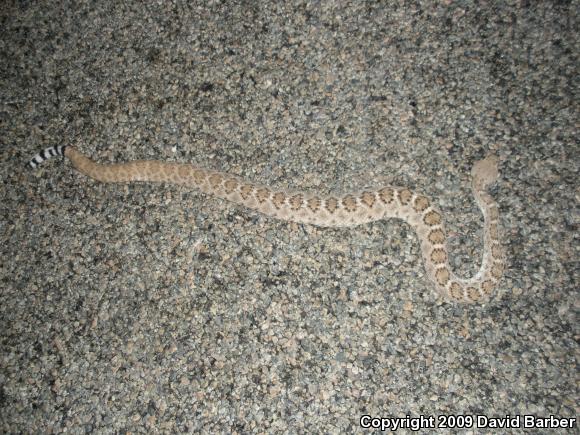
column 342, row 210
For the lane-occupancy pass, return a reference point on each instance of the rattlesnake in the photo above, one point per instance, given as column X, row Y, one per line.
column 333, row 211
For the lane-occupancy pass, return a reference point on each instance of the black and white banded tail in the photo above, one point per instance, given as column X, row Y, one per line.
column 46, row 154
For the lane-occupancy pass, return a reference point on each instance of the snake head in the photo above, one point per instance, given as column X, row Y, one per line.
column 485, row 172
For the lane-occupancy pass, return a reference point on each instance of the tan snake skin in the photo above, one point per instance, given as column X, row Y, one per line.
column 333, row 211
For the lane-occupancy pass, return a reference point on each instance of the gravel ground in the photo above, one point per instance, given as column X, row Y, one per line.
column 144, row 308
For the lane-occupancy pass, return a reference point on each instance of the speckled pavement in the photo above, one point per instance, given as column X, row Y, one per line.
column 144, row 308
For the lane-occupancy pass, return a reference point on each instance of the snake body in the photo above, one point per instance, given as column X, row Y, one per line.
column 343, row 210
